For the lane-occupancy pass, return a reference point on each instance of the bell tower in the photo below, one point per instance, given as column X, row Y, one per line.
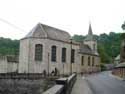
column 90, row 40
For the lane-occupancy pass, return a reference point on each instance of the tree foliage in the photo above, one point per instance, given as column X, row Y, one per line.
column 8, row 46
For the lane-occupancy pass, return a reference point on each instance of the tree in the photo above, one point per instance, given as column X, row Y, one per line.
column 9, row 47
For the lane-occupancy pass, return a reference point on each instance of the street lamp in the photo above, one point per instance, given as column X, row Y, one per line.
column 71, row 56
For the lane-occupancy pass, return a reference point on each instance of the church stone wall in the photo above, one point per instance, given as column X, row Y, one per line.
column 38, row 67
column 91, row 44
column 29, row 65
column 23, row 56
column 86, row 68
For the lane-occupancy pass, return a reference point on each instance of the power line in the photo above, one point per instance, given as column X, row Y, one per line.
column 12, row 25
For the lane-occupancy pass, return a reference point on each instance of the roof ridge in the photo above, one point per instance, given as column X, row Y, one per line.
column 60, row 30
column 46, row 35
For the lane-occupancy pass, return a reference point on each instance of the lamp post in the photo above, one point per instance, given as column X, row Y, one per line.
column 71, row 56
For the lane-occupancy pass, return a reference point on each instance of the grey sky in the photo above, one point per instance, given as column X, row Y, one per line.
column 70, row 15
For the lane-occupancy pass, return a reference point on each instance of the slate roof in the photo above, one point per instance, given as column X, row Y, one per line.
column 45, row 31
column 85, row 49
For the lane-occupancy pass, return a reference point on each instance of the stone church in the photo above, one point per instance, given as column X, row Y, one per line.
column 48, row 49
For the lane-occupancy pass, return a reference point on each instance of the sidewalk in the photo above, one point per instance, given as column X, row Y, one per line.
column 81, row 86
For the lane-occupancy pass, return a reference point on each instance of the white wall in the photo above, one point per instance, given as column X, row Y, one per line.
column 7, row 67
column 38, row 67
column 3, row 64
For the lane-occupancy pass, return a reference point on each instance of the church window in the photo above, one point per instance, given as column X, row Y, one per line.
column 53, row 53
column 82, row 60
column 63, row 55
column 93, row 61
column 89, row 61
column 94, row 46
column 72, row 56
column 38, row 52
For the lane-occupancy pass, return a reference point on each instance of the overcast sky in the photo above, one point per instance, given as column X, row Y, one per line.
column 18, row 17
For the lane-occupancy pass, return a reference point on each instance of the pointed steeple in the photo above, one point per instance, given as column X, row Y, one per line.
column 90, row 29
column 90, row 36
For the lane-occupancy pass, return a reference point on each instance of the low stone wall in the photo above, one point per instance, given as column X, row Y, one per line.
column 8, row 63
column 119, row 71
column 63, row 85
column 21, row 76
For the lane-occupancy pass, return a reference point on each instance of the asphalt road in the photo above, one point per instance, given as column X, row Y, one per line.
column 104, row 83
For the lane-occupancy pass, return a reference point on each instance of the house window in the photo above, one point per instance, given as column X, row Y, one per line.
column 63, row 55
column 53, row 53
column 38, row 52
column 89, row 61
column 82, row 60
column 93, row 61
column 72, row 56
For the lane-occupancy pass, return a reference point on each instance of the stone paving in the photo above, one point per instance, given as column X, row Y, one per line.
column 81, row 86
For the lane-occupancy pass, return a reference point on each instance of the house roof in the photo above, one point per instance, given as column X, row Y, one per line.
column 85, row 49
column 121, row 65
column 45, row 31
column 118, row 57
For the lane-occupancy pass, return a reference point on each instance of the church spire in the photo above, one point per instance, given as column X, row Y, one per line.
column 90, row 36
column 90, row 29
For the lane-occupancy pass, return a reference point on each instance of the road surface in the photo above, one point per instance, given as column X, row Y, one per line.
column 104, row 83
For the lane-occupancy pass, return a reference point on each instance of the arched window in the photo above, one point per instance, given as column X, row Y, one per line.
column 63, row 55
column 38, row 52
column 93, row 61
column 53, row 53
column 89, row 61
column 72, row 55
column 82, row 60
